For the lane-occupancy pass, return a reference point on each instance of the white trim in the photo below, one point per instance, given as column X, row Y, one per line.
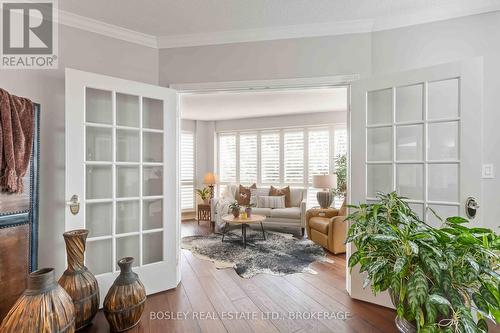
column 291, row 83
column 441, row 12
column 106, row 29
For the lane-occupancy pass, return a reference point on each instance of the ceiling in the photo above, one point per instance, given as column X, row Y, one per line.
column 180, row 17
column 250, row 104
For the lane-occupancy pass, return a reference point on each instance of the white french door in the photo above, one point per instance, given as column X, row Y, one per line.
column 417, row 133
column 122, row 164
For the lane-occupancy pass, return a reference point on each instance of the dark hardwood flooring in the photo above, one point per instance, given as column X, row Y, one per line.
column 263, row 303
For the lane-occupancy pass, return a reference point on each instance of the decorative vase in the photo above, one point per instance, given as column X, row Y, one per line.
column 124, row 303
column 248, row 210
column 78, row 281
column 43, row 307
column 236, row 212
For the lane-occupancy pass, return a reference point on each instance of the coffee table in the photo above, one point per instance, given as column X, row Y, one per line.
column 254, row 219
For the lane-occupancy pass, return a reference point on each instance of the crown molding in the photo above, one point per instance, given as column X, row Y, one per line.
column 106, row 29
column 253, row 35
column 444, row 11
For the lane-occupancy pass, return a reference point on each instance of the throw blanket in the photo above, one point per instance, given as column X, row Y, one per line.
column 16, row 139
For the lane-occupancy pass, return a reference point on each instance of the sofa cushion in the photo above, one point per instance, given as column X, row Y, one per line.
column 257, row 192
column 266, row 201
column 281, row 191
column 286, row 213
column 262, row 211
column 320, row 224
column 243, row 194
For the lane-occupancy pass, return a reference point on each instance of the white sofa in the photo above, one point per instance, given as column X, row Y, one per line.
column 292, row 217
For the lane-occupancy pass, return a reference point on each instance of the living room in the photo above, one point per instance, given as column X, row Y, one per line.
column 255, row 166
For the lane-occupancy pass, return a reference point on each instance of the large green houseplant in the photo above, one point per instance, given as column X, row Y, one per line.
column 440, row 279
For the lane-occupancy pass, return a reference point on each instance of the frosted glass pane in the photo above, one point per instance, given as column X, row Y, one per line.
column 98, row 182
column 443, row 99
column 99, row 143
column 99, row 219
column 152, row 214
column 379, row 179
column 127, row 146
column 409, row 103
column 153, row 147
column 443, row 141
column 98, row 106
column 379, row 144
column 152, row 113
column 153, row 181
column 127, row 182
column 99, row 257
column 443, row 182
column 379, row 107
column 410, row 181
column 409, row 143
column 152, row 248
column 127, row 216
column 128, row 247
column 442, row 211
column 127, row 110
column 418, row 209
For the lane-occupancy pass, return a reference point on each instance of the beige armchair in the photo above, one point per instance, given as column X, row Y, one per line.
column 327, row 228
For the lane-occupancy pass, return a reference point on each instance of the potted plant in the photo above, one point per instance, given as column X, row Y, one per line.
column 234, row 208
column 204, row 194
column 440, row 280
column 341, row 172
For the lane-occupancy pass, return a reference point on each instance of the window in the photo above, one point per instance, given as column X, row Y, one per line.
column 280, row 157
column 248, row 158
column 187, row 171
column 294, row 157
column 270, row 160
column 319, row 160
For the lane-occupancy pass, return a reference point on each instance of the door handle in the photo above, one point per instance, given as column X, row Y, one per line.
column 74, row 204
column 471, row 207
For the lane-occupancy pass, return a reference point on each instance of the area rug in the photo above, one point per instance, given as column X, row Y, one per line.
column 279, row 254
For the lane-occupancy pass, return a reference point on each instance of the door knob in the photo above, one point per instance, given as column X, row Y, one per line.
column 74, row 204
column 471, row 207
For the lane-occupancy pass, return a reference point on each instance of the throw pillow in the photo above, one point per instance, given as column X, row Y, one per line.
column 266, row 201
column 257, row 192
column 243, row 195
column 281, row 191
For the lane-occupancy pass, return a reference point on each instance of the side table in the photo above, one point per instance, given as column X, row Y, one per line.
column 204, row 213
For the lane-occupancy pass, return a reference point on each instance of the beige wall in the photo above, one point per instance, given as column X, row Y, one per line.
column 85, row 51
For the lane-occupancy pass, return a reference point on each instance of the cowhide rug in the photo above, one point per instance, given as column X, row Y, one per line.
column 279, row 254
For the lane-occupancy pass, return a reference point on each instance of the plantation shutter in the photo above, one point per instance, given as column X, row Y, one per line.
column 270, row 157
column 319, row 159
column 187, row 170
column 294, row 157
column 340, row 148
column 227, row 158
column 248, row 158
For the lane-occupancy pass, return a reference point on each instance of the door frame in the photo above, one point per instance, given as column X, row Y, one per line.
column 283, row 84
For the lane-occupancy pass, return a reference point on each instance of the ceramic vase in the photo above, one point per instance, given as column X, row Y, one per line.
column 248, row 210
column 125, row 301
column 78, row 281
column 43, row 307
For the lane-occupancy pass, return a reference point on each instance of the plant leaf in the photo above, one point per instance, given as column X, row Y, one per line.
column 399, row 264
column 438, row 299
column 417, row 289
column 480, row 302
column 457, row 220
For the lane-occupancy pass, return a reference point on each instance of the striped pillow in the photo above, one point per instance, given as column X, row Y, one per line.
column 265, row 201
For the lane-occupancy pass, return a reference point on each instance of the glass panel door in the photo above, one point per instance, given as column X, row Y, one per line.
column 124, row 163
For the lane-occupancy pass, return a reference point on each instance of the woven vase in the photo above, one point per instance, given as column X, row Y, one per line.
column 43, row 307
column 78, row 281
column 125, row 301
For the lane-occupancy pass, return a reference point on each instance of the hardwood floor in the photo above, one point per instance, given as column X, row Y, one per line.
column 215, row 300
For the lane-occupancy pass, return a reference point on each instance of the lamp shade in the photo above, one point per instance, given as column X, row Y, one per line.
column 325, row 181
column 209, row 179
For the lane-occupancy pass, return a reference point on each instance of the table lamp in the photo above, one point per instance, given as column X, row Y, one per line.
column 210, row 179
column 326, row 183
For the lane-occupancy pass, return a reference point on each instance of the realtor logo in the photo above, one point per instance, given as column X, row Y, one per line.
column 29, row 34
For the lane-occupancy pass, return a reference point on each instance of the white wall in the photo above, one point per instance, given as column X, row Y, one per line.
column 365, row 54
column 85, row 51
